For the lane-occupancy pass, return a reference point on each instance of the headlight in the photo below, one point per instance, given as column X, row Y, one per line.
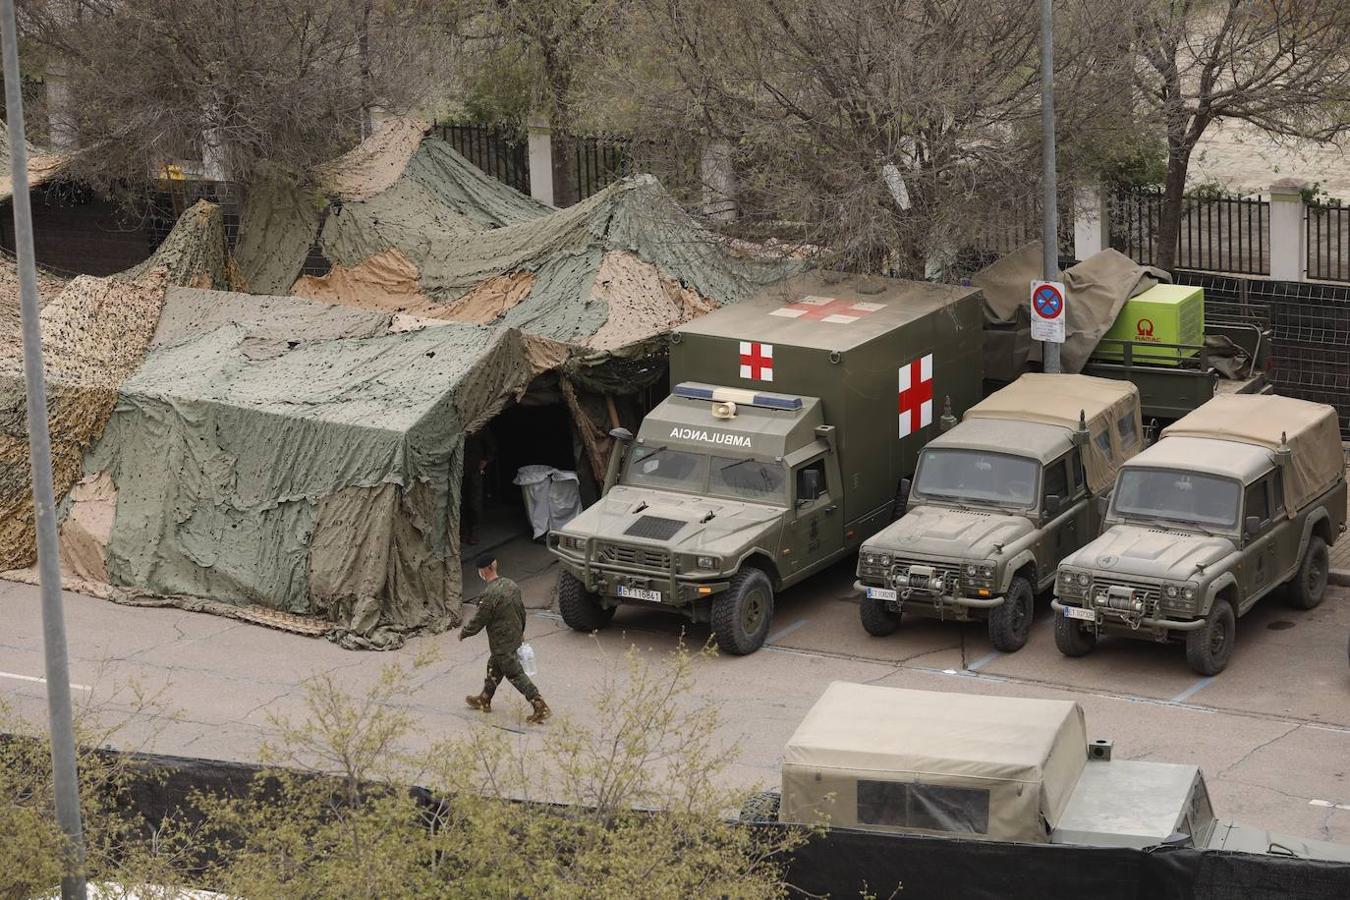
column 1188, row 592
column 1172, row 591
column 1180, row 594
column 1084, row 579
column 972, row 570
column 571, row 542
column 978, row 574
column 707, row 562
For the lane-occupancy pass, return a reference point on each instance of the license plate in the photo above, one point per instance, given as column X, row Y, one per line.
column 1078, row 612
column 639, row 593
column 876, row 593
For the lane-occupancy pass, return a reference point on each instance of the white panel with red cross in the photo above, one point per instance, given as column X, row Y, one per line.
column 916, row 395
column 756, row 361
column 830, row 310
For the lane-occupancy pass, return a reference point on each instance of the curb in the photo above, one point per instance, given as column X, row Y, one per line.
column 1339, row 576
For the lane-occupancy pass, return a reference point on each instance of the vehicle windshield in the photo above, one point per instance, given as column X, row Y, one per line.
column 748, row 479
column 1186, row 498
column 667, row 468
column 976, row 476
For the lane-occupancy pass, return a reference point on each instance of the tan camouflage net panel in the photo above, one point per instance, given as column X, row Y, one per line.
column 95, row 334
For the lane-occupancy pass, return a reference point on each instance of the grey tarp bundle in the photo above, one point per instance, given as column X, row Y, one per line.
column 1097, row 290
column 305, row 459
column 1311, row 430
column 552, row 497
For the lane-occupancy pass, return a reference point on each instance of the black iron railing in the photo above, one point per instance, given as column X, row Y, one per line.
column 501, row 153
column 1218, row 232
column 1328, row 240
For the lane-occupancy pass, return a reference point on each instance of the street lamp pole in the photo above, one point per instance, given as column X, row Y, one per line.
column 61, row 721
column 1049, row 202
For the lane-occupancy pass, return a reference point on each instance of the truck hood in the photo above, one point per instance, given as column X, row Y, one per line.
column 693, row 524
column 1137, row 551
column 951, row 533
column 1250, row 839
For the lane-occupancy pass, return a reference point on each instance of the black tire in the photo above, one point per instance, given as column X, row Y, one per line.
column 581, row 609
column 741, row 614
column 1310, row 584
column 877, row 620
column 761, row 807
column 1010, row 622
column 1208, row 649
column 1072, row 638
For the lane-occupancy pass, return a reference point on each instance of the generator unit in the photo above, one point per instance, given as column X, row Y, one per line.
column 1165, row 314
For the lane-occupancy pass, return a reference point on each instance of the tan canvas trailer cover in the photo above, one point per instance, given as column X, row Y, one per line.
column 1311, row 429
column 880, row 757
column 1111, row 407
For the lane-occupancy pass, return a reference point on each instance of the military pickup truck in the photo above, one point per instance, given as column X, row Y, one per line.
column 995, row 769
column 1237, row 500
column 997, row 502
column 794, row 418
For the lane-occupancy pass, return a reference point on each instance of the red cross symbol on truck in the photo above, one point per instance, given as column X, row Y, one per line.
column 916, row 395
column 756, row 361
column 830, row 310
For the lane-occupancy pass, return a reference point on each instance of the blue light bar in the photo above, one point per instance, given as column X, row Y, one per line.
column 693, row 390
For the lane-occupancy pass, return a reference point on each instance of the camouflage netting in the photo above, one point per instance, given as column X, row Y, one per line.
column 297, row 456
column 95, row 333
column 407, row 225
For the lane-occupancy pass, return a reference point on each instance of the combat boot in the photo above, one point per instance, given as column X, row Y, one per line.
column 541, row 711
column 480, row 702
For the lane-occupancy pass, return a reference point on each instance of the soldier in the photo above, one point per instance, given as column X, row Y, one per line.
column 502, row 613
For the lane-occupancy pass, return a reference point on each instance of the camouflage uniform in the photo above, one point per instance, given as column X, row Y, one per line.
column 501, row 613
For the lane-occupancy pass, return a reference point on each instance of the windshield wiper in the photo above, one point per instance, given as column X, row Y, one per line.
column 1170, row 524
column 739, row 462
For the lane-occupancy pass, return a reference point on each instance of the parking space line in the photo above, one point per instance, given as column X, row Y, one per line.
column 784, row 632
column 36, row 680
column 983, row 661
column 1328, row 804
column 1190, row 691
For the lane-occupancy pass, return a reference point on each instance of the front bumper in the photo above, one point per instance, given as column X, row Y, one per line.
column 895, row 597
column 616, row 583
column 1115, row 619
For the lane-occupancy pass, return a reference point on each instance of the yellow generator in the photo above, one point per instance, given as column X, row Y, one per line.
column 1165, row 314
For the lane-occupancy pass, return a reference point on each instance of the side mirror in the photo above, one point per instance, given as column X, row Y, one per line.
column 1251, row 526
column 1053, row 504
column 810, row 486
column 902, row 501
column 622, row 439
column 621, row 435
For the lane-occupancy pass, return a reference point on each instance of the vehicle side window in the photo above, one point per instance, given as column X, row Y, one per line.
column 1258, row 501
column 934, row 807
column 1103, row 441
column 1277, row 494
column 1057, row 479
column 819, row 467
column 1076, row 470
column 1129, row 435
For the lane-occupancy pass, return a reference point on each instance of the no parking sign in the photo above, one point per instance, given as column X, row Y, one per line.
column 1047, row 311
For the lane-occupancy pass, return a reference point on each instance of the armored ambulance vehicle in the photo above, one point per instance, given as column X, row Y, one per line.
column 993, row 768
column 997, row 502
column 794, row 417
column 1237, row 500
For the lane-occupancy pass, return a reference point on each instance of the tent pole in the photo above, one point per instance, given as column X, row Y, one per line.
column 61, row 721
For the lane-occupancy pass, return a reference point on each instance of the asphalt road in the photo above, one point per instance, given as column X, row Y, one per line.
column 1272, row 733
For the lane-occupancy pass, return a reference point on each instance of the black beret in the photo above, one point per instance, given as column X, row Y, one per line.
column 485, row 560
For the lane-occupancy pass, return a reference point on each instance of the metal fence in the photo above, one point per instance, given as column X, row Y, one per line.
column 601, row 161
column 1310, row 331
column 501, row 153
column 1328, row 241
column 1218, row 233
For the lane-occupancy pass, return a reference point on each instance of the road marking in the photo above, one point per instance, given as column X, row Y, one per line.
column 983, row 661
column 1327, row 804
column 784, row 632
column 1190, row 691
column 36, row 680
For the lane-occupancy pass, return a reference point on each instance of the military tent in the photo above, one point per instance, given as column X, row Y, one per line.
column 295, row 456
column 95, row 333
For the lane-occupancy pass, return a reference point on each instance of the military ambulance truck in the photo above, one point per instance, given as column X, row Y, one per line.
column 794, row 418
column 995, row 769
column 997, row 502
column 1237, row 500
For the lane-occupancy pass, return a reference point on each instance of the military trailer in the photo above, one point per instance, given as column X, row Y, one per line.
column 997, row 502
column 1237, row 500
column 993, row 769
column 794, row 418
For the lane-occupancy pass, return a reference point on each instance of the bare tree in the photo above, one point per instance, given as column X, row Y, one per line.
column 250, row 84
column 1282, row 65
column 886, row 131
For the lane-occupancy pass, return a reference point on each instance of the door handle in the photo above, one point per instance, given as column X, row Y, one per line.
column 830, row 509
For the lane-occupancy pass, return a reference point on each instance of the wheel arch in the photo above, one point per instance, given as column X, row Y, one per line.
column 760, row 559
column 1224, row 588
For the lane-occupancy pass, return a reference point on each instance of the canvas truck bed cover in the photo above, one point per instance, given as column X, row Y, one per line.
column 1026, row 754
column 1110, row 406
column 1311, row 430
